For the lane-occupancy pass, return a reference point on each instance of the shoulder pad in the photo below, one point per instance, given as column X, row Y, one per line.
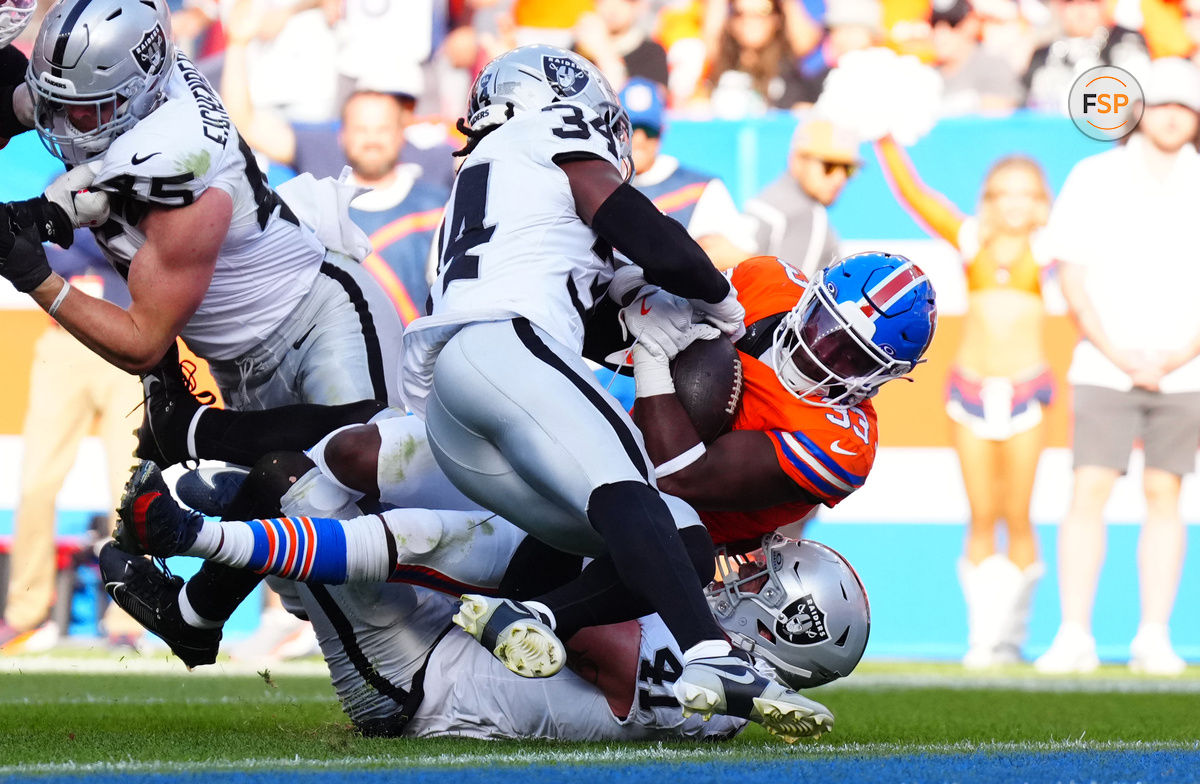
column 564, row 129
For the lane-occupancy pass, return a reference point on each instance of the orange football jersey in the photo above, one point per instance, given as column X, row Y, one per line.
column 827, row 451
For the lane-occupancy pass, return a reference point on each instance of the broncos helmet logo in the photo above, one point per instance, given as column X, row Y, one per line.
column 565, row 77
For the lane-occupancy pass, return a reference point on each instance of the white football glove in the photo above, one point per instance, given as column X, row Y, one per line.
column 664, row 323
column 727, row 315
column 626, row 280
column 85, row 208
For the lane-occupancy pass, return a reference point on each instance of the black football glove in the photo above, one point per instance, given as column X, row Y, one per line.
column 22, row 257
column 51, row 221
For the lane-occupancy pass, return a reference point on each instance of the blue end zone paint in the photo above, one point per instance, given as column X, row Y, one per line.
column 1051, row 767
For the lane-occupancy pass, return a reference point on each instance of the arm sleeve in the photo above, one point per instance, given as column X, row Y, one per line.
column 12, row 73
column 659, row 245
column 931, row 208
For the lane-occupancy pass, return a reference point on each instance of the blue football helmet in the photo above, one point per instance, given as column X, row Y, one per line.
column 861, row 322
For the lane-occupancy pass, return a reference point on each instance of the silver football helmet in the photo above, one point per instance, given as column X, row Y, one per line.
column 531, row 77
column 15, row 16
column 98, row 67
column 802, row 608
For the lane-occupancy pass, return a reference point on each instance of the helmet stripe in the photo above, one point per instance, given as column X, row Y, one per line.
column 891, row 290
column 64, row 36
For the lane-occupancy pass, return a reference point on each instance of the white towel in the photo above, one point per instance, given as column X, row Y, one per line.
column 324, row 206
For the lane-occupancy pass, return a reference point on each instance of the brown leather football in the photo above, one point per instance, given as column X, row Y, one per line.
column 708, row 382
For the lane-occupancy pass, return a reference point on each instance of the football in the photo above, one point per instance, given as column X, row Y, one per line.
column 708, row 382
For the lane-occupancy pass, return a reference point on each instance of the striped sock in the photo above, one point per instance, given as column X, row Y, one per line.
column 302, row 548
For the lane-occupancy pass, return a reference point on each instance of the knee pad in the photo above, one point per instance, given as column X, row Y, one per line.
column 318, row 455
column 316, row 495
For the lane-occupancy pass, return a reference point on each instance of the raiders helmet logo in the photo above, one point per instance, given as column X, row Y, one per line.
column 804, row 624
column 151, row 51
column 565, row 76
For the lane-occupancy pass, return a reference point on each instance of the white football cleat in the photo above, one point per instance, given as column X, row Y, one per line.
column 730, row 686
column 515, row 634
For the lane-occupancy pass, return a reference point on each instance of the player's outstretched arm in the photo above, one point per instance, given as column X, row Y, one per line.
column 737, row 472
column 168, row 278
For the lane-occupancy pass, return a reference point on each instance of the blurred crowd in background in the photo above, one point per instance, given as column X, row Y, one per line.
column 729, row 58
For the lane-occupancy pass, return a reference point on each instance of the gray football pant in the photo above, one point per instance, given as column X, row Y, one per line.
column 339, row 345
column 521, row 426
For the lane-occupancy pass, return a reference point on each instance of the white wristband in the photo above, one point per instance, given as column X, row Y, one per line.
column 680, row 461
column 650, row 375
column 62, row 294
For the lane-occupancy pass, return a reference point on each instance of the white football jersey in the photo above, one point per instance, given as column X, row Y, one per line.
column 268, row 260
column 511, row 243
column 375, row 637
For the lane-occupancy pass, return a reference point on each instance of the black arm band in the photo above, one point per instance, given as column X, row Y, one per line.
column 659, row 245
column 12, row 74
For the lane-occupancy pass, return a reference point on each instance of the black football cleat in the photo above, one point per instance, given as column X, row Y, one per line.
column 210, row 489
column 170, row 404
column 151, row 597
column 731, row 686
column 151, row 522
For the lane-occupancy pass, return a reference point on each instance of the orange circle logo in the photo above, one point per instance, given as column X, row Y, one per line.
column 1105, row 103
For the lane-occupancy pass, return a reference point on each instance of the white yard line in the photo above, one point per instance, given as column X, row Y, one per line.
column 155, row 664
column 1031, row 682
column 161, row 663
column 651, row 753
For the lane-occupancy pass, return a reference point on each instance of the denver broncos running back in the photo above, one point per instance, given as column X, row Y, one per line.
column 812, row 356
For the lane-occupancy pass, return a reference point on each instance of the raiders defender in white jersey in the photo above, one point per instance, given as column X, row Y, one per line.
column 462, row 690
column 514, row 415
column 210, row 251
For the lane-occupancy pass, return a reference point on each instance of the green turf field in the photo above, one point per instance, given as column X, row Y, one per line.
column 96, row 715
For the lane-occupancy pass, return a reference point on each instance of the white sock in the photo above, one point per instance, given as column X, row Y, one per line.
column 227, row 542
column 191, row 617
column 207, row 541
column 707, row 649
column 366, row 549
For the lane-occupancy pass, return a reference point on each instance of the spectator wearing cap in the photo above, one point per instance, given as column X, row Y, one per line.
column 1124, row 232
column 975, row 80
column 1088, row 39
column 790, row 213
column 699, row 201
column 614, row 37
